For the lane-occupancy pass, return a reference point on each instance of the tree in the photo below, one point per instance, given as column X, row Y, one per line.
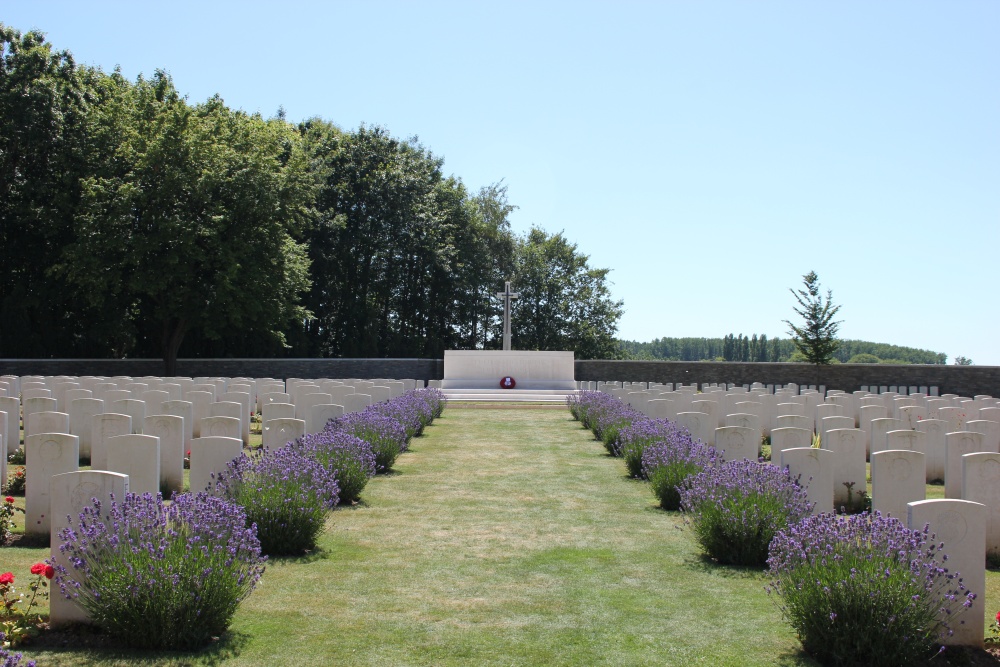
column 564, row 304
column 962, row 361
column 190, row 227
column 816, row 339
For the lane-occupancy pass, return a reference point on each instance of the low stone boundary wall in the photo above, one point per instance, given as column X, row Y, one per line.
column 416, row 369
column 961, row 380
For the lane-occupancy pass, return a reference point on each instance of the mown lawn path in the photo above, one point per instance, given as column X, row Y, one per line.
column 505, row 537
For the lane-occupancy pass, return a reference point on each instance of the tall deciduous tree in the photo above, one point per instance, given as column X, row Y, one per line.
column 46, row 146
column 816, row 337
column 189, row 226
column 564, row 304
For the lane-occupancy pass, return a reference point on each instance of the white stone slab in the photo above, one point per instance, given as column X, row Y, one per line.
column 898, row 478
column 483, row 369
column 961, row 526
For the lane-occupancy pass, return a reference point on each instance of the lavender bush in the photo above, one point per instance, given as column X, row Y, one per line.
column 642, row 433
column 160, row 577
column 736, row 508
column 434, row 398
column 610, row 419
column 386, row 436
column 349, row 459
column 864, row 589
column 410, row 410
column 669, row 464
column 8, row 659
column 587, row 404
column 285, row 494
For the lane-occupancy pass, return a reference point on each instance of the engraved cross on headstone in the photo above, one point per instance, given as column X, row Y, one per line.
column 506, row 295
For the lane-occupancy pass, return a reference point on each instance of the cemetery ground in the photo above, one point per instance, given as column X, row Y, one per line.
column 503, row 537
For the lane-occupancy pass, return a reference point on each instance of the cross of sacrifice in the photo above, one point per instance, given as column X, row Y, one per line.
column 507, row 296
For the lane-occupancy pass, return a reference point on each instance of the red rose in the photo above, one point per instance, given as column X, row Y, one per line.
column 38, row 568
column 49, row 572
column 9, row 499
column 7, row 578
column 998, row 617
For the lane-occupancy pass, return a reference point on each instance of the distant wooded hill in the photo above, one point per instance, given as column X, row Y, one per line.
column 762, row 348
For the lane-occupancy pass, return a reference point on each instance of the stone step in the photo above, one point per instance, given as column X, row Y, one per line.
column 509, row 395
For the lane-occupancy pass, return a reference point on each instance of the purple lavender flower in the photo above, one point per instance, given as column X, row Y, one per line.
column 642, row 433
column 669, row 464
column 160, row 576
column 864, row 589
column 11, row 659
column 285, row 494
column 735, row 509
column 350, row 459
column 386, row 436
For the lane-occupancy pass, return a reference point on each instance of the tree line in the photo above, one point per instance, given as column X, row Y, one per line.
column 137, row 224
column 761, row 349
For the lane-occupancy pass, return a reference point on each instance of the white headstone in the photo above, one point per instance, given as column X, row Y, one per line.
column 103, row 426
column 320, row 414
column 934, row 429
column 307, row 401
column 794, row 421
column 981, row 484
column 898, row 478
column 277, row 411
column 278, row 432
column 170, row 430
column 39, row 404
column 879, row 427
column 699, row 424
column 221, row 427
column 814, row 468
column 990, row 431
column 961, row 526
column 69, row 494
column 137, row 456
column 133, row 408
column 11, row 407
column 81, row 414
column 45, row 422
column 210, row 455
column 910, row 415
column 850, row 472
column 956, row 445
column 737, row 442
column 788, row 438
column 355, row 402
column 200, row 401
column 46, row 454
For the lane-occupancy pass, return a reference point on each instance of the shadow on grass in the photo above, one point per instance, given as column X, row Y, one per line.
column 33, row 541
column 84, row 641
column 703, row 563
column 793, row 659
column 311, row 556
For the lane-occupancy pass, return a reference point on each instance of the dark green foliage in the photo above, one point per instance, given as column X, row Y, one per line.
column 769, row 349
column 146, row 226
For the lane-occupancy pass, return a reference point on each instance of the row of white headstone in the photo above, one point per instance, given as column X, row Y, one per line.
column 139, row 445
column 826, row 440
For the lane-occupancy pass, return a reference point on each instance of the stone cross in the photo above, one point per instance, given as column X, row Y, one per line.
column 506, row 295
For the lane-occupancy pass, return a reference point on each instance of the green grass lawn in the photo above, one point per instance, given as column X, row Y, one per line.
column 505, row 537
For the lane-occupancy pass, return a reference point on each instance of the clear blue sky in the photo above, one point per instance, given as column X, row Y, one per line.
column 709, row 153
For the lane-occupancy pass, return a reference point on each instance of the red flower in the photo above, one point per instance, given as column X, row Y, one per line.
column 49, row 572
column 7, row 578
column 998, row 617
column 9, row 499
column 38, row 568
